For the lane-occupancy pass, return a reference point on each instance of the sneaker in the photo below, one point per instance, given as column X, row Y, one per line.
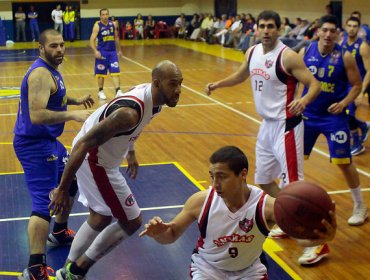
column 357, row 150
column 313, row 255
column 359, row 215
column 36, row 272
column 277, row 232
column 65, row 274
column 364, row 131
column 101, row 95
column 61, row 238
column 119, row 93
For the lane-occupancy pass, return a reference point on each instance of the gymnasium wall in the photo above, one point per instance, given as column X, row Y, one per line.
column 168, row 10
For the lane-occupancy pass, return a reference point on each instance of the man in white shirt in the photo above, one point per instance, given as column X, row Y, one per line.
column 57, row 16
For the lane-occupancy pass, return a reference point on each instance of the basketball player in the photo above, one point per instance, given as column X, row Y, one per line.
column 106, row 138
column 41, row 116
column 233, row 218
column 334, row 68
column 275, row 71
column 360, row 49
column 106, row 52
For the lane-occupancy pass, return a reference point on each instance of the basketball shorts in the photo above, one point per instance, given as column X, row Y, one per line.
column 43, row 162
column 352, row 109
column 108, row 63
column 200, row 269
column 336, row 130
column 106, row 192
column 279, row 151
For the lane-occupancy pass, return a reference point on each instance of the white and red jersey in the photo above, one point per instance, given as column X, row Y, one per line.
column 232, row 241
column 112, row 153
column 273, row 88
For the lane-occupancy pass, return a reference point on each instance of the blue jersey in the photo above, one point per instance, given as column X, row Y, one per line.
column 330, row 71
column 57, row 102
column 354, row 49
column 106, row 38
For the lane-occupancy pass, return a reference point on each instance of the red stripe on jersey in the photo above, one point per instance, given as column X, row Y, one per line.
column 291, row 156
column 104, row 186
column 206, row 209
column 250, row 55
column 263, row 227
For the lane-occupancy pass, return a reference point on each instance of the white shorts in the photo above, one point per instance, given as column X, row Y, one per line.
column 202, row 270
column 106, row 192
column 279, row 154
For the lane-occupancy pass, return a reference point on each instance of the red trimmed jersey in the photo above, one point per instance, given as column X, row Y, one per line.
column 232, row 241
column 273, row 88
column 112, row 153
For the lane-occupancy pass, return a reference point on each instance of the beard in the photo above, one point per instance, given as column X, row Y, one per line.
column 55, row 60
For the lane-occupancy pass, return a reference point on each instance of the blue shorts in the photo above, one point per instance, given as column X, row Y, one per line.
column 109, row 62
column 337, row 133
column 352, row 109
column 43, row 162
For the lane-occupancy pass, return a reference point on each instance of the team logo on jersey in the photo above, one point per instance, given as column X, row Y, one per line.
column 268, row 63
column 100, row 66
column 130, row 200
column 313, row 69
column 312, row 59
column 105, row 32
column 246, row 225
column 321, row 72
column 340, row 137
column 356, row 46
column 52, row 157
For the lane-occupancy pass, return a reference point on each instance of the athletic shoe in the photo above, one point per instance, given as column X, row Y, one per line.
column 277, row 233
column 313, row 255
column 61, row 238
column 364, row 131
column 119, row 93
column 101, row 95
column 359, row 215
column 65, row 274
column 36, row 272
column 357, row 150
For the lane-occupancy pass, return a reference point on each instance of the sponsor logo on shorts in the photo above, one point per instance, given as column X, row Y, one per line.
column 100, row 66
column 130, row 200
column 340, row 137
column 114, row 64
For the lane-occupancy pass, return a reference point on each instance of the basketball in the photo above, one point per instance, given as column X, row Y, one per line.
column 300, row 207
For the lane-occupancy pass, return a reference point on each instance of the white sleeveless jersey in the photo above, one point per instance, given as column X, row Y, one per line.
column 112, row 153
column 273, row 88
column 232, row 241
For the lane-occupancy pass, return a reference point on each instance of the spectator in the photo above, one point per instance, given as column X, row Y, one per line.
column 33, row 15
column 72, row 16
column 129, row 34
column 149, row 27
column 57, row 16
column 139, row 26
column 20, row 23
column 180, row 26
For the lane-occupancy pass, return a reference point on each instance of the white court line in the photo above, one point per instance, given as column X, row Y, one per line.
column 87, row 213
column 359, row 170
column 347, row 191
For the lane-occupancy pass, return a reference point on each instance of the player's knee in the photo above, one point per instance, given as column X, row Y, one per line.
column 97, row 221
column 41, row 215
column 130, row 227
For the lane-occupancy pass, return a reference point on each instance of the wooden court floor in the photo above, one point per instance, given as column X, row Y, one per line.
column 189, row 133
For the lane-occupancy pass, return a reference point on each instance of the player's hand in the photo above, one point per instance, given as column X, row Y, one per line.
column 133, row 164
column 80, row 115
column 59, row 202
column 323, row 236
column 98, row 55
column 336, row 108
column 87, row 101
column 209, row 88
column 296, row 107
column 155, row 227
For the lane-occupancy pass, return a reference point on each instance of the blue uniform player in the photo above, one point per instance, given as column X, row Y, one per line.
column 334, row 68
column 41, row 116
column 106, row 33
column 361, row 52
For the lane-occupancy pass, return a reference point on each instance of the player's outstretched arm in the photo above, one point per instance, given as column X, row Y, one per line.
column 166, row 233
column 236, row 78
